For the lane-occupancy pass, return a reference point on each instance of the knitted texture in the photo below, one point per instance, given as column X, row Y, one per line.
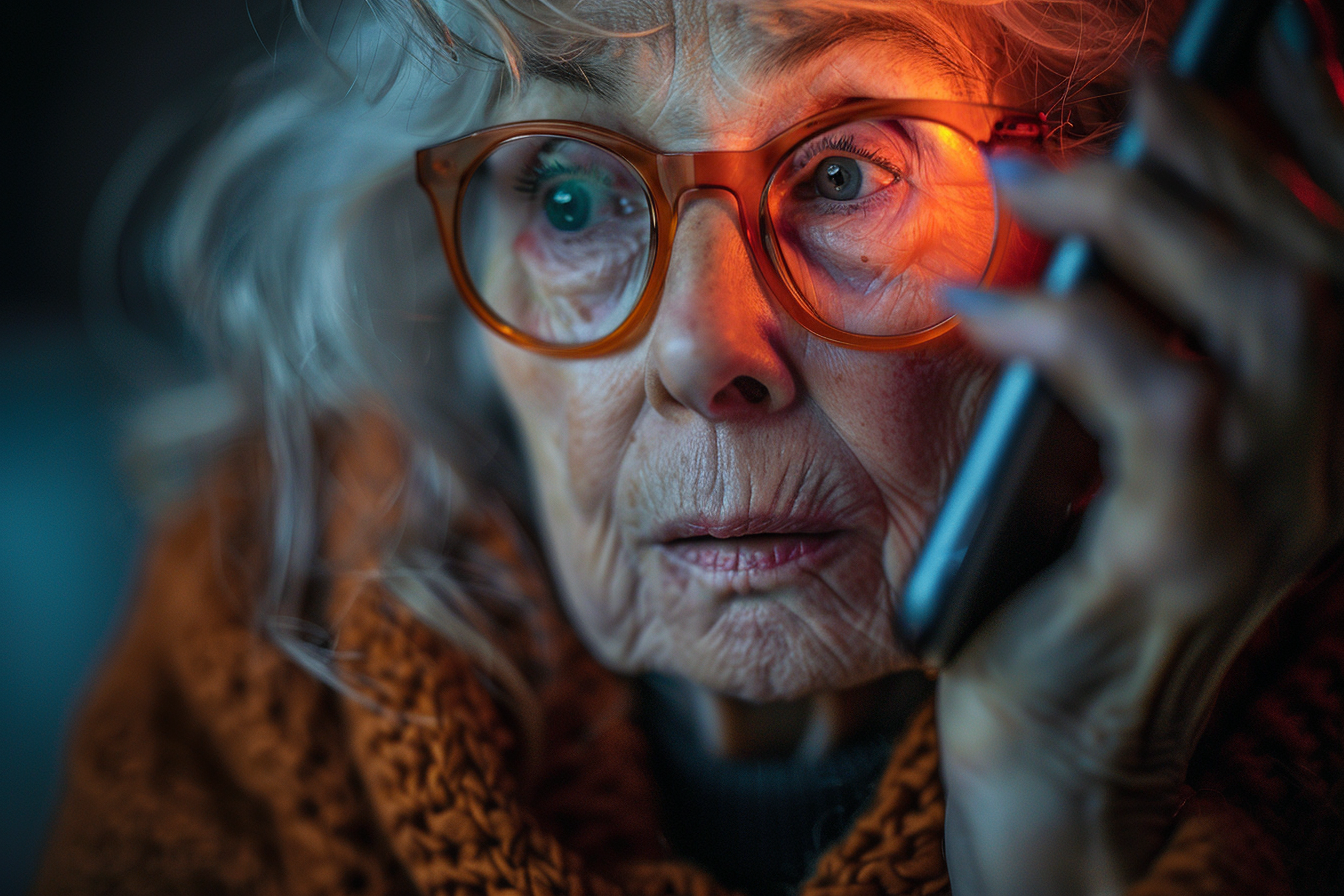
column 1276, row 740
column 207, row 762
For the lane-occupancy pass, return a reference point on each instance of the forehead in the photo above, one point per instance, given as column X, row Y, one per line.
column 694, row 75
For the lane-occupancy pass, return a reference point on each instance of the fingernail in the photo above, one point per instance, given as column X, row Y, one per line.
column 974, row 302
column 1013, row 169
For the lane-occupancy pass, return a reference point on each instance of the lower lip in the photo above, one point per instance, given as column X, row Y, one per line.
column 752, row 553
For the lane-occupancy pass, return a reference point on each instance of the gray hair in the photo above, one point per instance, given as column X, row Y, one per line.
column 302, row 254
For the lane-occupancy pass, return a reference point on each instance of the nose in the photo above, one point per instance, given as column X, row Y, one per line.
column 717, row 341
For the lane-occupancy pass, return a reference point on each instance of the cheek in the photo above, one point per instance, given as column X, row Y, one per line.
column 576, row 419
column 897, row 425
column 907, row 417
column 535, row 396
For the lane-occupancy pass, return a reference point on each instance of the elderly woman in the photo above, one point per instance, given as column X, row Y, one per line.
column 591, row 592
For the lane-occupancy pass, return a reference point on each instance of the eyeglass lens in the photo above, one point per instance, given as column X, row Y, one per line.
column 871, row 216
column 867, row 217
column 557, row 238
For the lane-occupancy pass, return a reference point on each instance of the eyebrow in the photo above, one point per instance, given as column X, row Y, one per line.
column 584, row 72
column 593, row 69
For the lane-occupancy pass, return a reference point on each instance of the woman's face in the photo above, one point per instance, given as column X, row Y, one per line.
column 732, row 500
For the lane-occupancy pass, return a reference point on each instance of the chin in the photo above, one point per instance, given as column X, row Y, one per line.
column 764, row 651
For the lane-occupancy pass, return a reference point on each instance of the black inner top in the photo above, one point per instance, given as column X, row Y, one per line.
column 760, row 825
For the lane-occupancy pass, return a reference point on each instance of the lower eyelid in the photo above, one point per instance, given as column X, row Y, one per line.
column 862, row 206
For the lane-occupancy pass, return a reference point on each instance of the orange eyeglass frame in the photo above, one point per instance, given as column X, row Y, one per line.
column 445, row 170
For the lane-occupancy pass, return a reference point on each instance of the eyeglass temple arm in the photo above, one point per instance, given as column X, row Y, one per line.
column 1018, row 131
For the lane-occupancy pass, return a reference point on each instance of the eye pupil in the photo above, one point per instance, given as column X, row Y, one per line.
column 838, row 178
column 568, row 206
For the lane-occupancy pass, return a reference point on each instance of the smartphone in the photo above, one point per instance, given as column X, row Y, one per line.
column 1018, row 499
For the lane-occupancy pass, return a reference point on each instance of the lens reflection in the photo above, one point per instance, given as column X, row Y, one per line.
column 557, row 238
column 872, row 216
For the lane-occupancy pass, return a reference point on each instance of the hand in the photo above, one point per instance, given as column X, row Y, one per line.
column 1067, row 722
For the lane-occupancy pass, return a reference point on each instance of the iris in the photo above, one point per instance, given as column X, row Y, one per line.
column 568, row 206
column 838, row 178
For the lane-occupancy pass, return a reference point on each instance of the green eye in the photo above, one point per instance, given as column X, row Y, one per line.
column 569, row 205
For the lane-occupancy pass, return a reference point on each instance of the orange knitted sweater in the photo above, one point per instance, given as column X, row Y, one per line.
column 207, row 762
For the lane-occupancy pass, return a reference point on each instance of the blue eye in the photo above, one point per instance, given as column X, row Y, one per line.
column 568, row 205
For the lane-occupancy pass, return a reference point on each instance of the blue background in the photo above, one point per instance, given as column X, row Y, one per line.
column 80, row 79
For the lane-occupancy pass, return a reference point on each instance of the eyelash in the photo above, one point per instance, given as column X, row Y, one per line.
column 846, row 144
column 538, row 172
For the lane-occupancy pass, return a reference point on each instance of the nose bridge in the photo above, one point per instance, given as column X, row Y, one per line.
column 719, row 236
column 705, row 245
column 715, row 295
column 716, row 343
column 710, row 191
column 684, row 175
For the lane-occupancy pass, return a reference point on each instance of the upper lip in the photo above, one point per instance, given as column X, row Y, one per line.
column 745, row 526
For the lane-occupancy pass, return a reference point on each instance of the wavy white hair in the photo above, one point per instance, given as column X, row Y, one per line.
column 305, row 258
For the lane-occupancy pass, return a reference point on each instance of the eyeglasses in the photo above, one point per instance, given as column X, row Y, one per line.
column 559, row 234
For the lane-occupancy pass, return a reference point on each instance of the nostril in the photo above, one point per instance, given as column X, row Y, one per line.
column 751, row 389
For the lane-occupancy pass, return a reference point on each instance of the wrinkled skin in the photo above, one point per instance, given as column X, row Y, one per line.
column 1069, row 721
column 1066, row 723
column 636, row 453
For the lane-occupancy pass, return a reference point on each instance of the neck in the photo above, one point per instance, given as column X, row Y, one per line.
column 804, row 729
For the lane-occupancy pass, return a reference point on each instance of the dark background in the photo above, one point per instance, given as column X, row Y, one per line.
column 80, row 78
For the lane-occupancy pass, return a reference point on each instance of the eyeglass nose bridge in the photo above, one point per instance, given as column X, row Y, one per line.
column 743, row 175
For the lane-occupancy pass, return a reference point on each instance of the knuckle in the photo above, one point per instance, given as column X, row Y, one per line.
column 1276, row 344
column 1077, row 327
column 1182, row 404
column 1091, row 323
column 1112, row 192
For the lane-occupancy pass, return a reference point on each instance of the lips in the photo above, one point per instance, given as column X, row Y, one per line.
column 748, row 544
column 755, row 553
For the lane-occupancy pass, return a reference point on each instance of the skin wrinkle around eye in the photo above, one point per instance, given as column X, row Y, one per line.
column 555, row 284
column 943, row 192
column 577, row 295
column 862, row 452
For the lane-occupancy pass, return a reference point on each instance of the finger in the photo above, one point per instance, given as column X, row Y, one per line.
column 1189, row 135
column 1170, row 512
column 1247, row 313
column 1154, row 412
column 1309, row 109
